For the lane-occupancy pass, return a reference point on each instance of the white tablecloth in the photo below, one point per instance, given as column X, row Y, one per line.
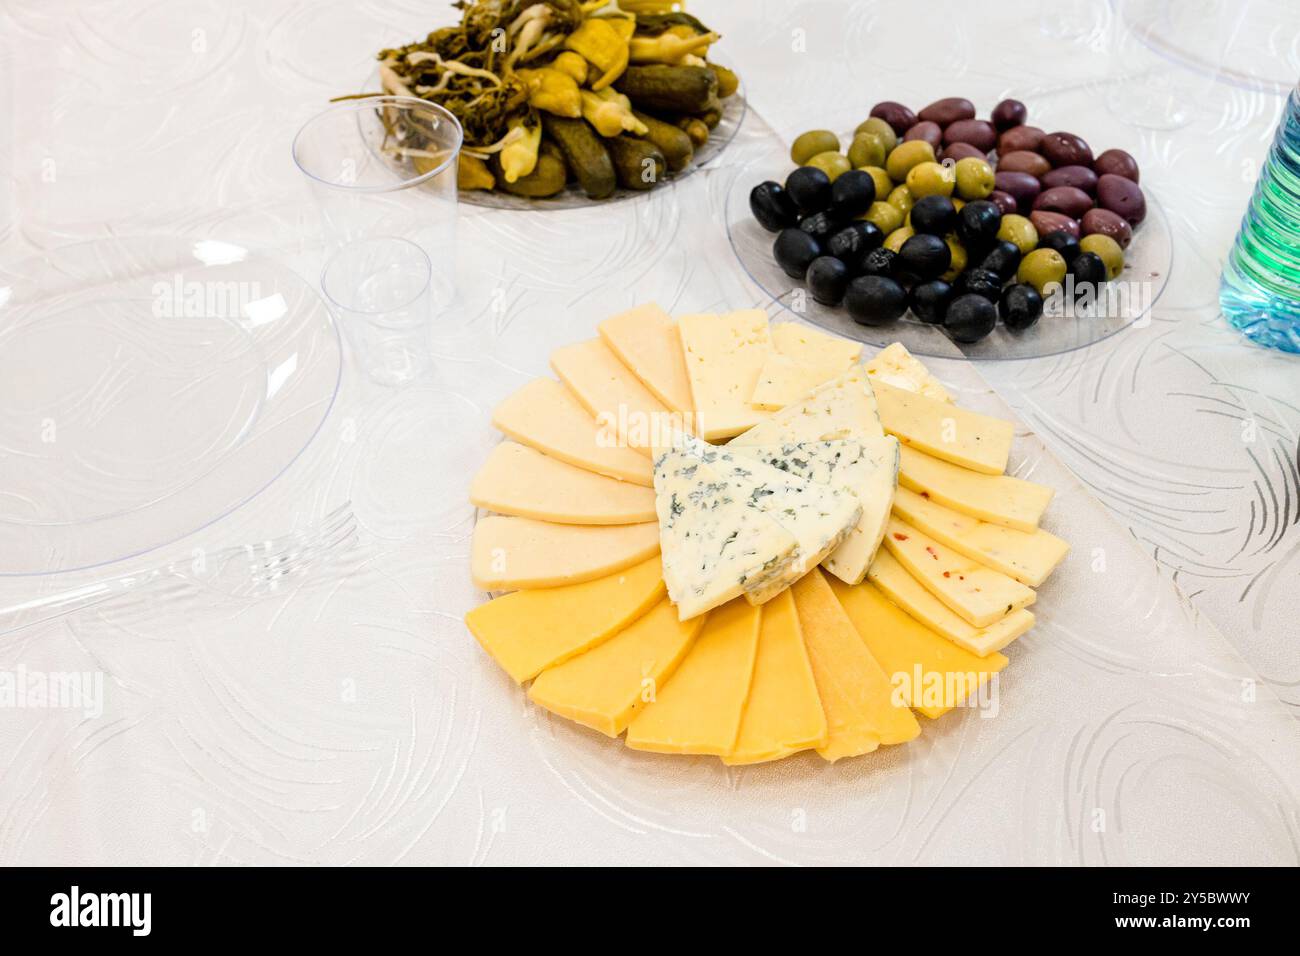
column 356, row 720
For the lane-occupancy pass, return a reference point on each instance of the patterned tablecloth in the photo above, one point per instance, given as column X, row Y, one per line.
column 1150, row 718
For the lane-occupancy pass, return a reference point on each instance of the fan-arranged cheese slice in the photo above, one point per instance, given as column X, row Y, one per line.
column 699, row 710
column 784, row 714
column 604, row 688
column 979, row 594
column 844, row 408
column 545, row 415
column 999, row 499
column 928, row 672
column 529, row 631
column 944, row 430
column 511, row 553
column 910, row 594
column 865, row 469
column 1029, row 557
column 783, row 380
column 854, row 690
column 811, row 347
column 715, row 546
column 896, row 366
column 724, row 354
column 647, row 341
column 518, row 480
column 612, row 395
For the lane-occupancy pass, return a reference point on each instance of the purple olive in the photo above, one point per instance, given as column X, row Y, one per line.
column 1049, row 222
column 1020, row 138
column 948, row 110
column 1005, row 202
column 979, row 133
column 1080, row 177
column 957, row 151
column 1116, row 162
column 1066, row 149
column 1064, row 199
column 1022, row 186
column 1108, row 224
column 1023, row 161
column 926, row 130
column 1009, row 113
column 896, row 115
column 1122, row 196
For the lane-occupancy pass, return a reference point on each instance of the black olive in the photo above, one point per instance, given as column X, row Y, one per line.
column 1020, row 307
column 934, row 215
column 794, row 251
column 923, row 257
column 978, row 224
column 772, row 207
column 1003, row 258
column 970, row 317
column 821, row 225
column 854, row 241
column 810, row 188
column 880, row 262
column 1088, row 272
column 827, row 279
column 1062, row 242
column 929, row 301
column 852, row 193
column 982, row 282
column 875, row 300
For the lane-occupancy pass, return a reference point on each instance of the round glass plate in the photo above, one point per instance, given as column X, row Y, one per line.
column 1149, row 259
column 149, row 387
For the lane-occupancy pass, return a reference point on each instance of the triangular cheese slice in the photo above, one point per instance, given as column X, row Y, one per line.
column 843, row 408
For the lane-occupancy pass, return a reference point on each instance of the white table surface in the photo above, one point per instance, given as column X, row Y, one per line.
column 356, row 720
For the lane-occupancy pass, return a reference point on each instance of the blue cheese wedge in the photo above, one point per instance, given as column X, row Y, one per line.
column 715, row 545
column 866, row 470
column 841, row 409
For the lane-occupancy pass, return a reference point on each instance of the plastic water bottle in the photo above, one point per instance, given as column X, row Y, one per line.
column 1260, row 292
column 1260, row 289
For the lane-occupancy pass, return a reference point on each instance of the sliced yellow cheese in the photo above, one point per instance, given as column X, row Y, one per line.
column 854, row 690
column 784, row 714
column 784, row 380
column 911, row 595
column 979, row 594
column 724, row 355
column 841, row 409
column 508, row 553
column 545, row 415
column 518, row 480
column 647, row 341
column 529, row 631
column 929, row 673
column 999, row 499
column 1029, row 557
column 896, row 366
column 807, row 345
column 699, row 710
column 605, row 687
column 612, row 395
column 944, row 430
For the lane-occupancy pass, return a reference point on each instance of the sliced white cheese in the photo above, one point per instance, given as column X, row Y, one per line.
column 714, row 544
column 1001, row 499
column 518, row 480
column 784, row 380
column 615, row 397
column 647, row 341
column 509, row 554
column 944, row 430
column 807, row 345
column 896, row 366
column 724, row 355
column 842, row 409
column 866, row 469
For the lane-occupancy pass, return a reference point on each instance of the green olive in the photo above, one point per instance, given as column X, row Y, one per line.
column 831, row 163
column 894, row 241
column 900, row 197
column 884, row 217
column 930, row 179
column 974, row 178
column 905, row 156
column 882, row 129
column 1019, row 230
column 959, row 258
column 866, row 150
column 1108, row 249
column 1042, row 268
column 809, row 144
column 881, row 178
